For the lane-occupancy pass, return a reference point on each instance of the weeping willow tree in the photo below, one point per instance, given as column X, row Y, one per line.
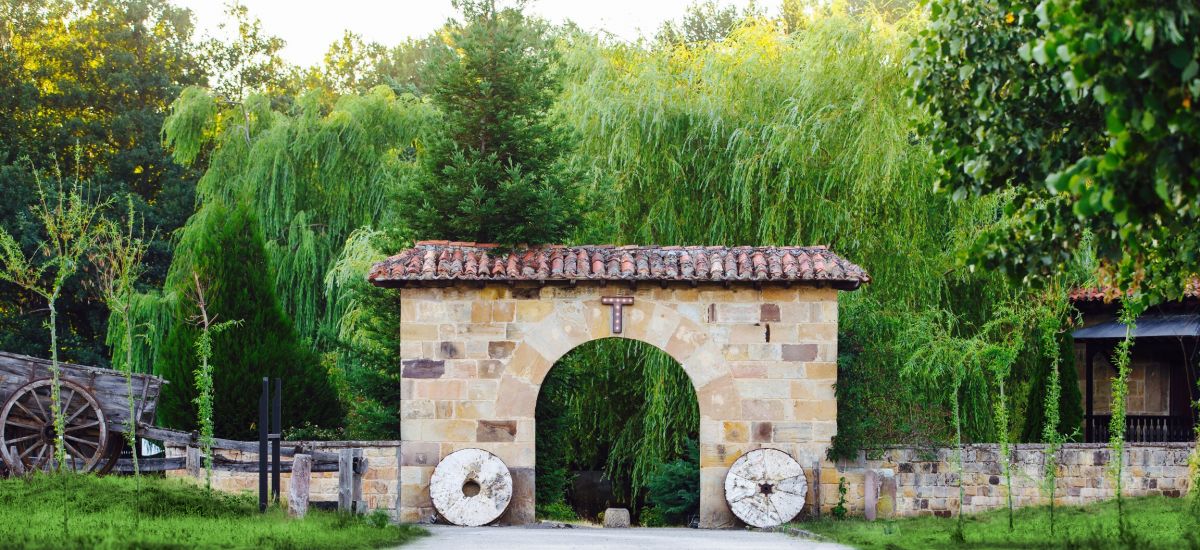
column 770, row 137
column 619, row 405
column 306, row 179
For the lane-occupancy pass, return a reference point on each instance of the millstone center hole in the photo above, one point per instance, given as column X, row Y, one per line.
column 470, row 488
column 766, row 488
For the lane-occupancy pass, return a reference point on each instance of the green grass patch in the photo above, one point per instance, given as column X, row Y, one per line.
column 174, row 514
column 1153, row 522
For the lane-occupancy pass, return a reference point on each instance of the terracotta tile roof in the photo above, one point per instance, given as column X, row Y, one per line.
column 434, row 261
column 1102, row 293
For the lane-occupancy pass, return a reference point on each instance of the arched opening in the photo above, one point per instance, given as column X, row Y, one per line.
column 618, row 426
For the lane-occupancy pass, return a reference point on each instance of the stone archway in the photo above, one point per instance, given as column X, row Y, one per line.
column 754, row 328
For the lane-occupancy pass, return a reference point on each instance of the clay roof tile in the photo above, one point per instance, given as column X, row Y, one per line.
column 444, row 260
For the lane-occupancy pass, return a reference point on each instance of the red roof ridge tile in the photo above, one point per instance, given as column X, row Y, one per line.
column 440, row 260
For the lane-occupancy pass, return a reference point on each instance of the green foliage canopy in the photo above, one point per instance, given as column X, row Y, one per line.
column 767, row 138
column 92, row 78
column 1085, row 112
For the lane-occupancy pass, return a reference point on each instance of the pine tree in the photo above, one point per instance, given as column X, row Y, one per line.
column 497, row 171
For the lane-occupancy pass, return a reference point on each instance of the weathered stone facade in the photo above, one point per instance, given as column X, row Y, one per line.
column 762, row 361
column 927, row 479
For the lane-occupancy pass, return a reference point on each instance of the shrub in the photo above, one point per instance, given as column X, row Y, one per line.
column 652, row 516
column 556, row 511
column 674, row 488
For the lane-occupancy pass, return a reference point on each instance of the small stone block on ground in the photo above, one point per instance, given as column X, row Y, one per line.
column 616, row 518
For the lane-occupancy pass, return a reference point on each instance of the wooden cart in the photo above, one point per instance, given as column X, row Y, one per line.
column 95, row 405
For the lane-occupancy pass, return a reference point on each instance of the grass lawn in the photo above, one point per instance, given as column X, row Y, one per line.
column 1154, row 522
column 174, row 514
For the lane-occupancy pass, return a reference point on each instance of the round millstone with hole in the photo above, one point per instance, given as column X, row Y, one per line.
column 471, row 487
column 765, row 487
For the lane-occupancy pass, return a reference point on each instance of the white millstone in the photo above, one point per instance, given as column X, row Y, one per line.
column 471, row 487
column 765, row 487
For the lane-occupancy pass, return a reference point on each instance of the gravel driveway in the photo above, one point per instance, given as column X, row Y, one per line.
column 525, row 538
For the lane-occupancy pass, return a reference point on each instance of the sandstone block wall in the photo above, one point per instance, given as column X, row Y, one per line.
column 927, row 479
column 762, row 361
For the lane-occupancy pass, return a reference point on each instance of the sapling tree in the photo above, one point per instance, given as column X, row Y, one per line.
column 204, row 377
column 1002, row 339
column 1048, row 328
column 119, row 262
column 1194, row 466
column 940, row 358
column 69, row 220
column 1000, row 359
column 1130, row 310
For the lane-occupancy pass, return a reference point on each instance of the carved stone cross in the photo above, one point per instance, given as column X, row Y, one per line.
column 618, row 304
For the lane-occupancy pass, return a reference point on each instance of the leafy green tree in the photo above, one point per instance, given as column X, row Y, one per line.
column 245, row 59
column 366, row 335
column 705, row 21
column 496, row 168
column 1085, row 113
column 765, row 138
column 315, row 179
column 1140, row 64
column 96, row 76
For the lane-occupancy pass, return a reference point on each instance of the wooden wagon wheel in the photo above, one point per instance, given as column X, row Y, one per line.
column 26, row 427
column 765, row 487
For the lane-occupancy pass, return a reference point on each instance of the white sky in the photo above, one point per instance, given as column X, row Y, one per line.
column 310, row 26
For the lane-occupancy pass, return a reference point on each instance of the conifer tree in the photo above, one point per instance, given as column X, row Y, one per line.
column 230, row 254
column 497, row 171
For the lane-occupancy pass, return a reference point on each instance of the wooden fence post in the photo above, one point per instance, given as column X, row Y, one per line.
column 345, row 479
column 18, row 467
column 360, row 468
column 192, row 461
column 299, row 486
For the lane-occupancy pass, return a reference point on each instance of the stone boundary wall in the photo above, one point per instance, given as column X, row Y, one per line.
column 927, row 479
column 379, row 485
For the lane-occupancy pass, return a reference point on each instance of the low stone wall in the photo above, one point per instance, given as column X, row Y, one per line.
column 379, row 485
column 927, row 479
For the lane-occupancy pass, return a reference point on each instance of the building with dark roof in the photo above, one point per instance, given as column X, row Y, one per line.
column 1163, row 377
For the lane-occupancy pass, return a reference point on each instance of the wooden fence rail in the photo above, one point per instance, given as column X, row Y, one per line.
column 348, row 463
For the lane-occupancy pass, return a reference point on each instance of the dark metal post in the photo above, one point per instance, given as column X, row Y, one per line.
column 262, row 446
column 276, row 436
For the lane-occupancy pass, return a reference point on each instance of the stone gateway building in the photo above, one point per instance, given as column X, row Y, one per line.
column 755, row 328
